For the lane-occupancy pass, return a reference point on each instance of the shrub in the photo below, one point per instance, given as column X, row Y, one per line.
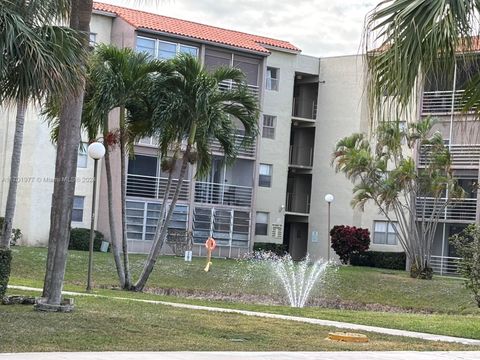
column 349, row 240
column 80, row 238
column 5, row 260
column 380, row 259
column 467, row 244
column 16, row 233
column 278, row 249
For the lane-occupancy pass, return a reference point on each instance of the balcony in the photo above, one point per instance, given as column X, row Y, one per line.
column 462, row 156
column 459, row 210
column 440, row 102
column 304, row 109
column 228, row 85
column 248, row 151
column 298, row 203
column 153, row 187
column 444, row 265
column 301, row 156
column 223, row 194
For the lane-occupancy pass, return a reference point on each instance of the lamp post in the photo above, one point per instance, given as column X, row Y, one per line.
column 96, row 151
column 329, row 199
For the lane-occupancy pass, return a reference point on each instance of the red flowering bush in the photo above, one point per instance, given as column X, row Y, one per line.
column 349, row 240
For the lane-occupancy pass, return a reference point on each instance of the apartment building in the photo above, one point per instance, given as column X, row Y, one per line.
column 275, row 190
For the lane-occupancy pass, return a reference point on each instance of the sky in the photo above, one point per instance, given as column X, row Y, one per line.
column 318, row 27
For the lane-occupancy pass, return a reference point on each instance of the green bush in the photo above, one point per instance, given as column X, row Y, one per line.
column 80, row 238
column 279, row 249
column 380, row 259
column 16, row 233
column 5, row 260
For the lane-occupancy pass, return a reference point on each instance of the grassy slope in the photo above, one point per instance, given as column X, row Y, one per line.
column 456, row 313
column 105, row 324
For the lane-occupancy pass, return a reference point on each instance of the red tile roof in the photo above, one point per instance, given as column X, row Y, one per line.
column 144, row 20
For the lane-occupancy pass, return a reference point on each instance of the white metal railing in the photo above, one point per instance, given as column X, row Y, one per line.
column 223, row 194
column 228, row 85
column 458, row 209
column 153, row 187
column 440, row 102
column 444, row 265
column 301, row 156
column 298, row 203
column 302, row 109
column 462, row 155
column 243, row 150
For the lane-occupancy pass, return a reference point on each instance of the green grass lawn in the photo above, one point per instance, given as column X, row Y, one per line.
column 106, row 324
column 454, row 311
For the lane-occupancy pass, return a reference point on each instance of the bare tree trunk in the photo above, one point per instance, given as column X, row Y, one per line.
column 14, row 170
column 111, row 220
column 66, row 169
column 158, row 242
column 123, row 188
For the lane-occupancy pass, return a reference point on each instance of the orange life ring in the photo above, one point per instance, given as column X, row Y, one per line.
column 210, row 244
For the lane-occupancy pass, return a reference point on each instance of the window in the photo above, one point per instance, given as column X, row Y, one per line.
column 385, row 233
column 265, row 175
column 92, row 39
column 78, row 204
column 164, row 49
column 268, row 130
column 82, row 156
column 261, row 224
column 272, row 78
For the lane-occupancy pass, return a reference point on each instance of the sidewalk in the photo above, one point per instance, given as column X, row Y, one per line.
column 336, row 324
column 347, row 355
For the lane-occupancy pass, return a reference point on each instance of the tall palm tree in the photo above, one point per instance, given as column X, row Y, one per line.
column 405, row 40
column 191, row 110
column 37, row 59
column 118, row 78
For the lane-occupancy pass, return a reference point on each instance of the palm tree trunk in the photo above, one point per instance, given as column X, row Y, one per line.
column 158, row 242
column 14, row 170
column 111, row 220
column 123, row 187
column 66, row 168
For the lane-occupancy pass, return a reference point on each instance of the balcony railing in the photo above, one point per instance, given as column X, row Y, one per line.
column 228, row 85
column 298, row 203
column 457, row 210
column 301, row 156
column 153, row 187
column 444, row 265
column 223, row 194
column 462, row 156
column 440, row 102
column 246, row 151
column 304, row 109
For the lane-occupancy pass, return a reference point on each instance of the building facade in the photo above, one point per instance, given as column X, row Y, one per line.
column 274, row 192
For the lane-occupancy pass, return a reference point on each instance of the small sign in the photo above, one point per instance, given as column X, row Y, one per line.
column 314, row 236
column 188, row 255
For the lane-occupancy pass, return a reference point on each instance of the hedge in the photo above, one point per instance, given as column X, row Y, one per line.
column 380, row 259
column 5, row 260
column 279, row 249
column 80, row 238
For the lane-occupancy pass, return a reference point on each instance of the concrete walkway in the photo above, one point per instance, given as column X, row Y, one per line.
column 346, row 355
column 336, row 324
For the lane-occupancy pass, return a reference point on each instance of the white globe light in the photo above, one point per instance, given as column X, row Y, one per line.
column 96, row 150
column 329, row 198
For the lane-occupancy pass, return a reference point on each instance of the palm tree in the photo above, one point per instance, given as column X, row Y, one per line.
column 191, row 110
column 37, row 60
column 118, row 78
column 406, row 40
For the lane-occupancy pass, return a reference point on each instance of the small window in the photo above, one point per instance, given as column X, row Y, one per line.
column 184, row 49
column 78, row 205
column 268, row 129
column 82, row 156
column 92, row 40
column 166, row 50
column 265, row 175
column 272, row 78
column 261, row 224
column 146, row 45
column 385, row 233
